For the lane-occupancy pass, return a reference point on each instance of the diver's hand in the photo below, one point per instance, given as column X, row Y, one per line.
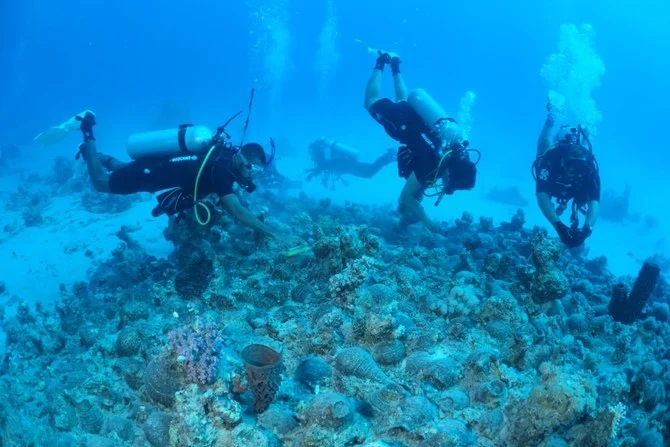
column 565, row 234
column 580, row 236
column 383, row 59
column 86, row 126
column 395, row 64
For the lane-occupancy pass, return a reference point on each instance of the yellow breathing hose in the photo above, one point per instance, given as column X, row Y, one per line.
column 195, row 193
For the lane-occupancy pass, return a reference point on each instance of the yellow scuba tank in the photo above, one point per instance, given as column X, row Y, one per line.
column 183, row 140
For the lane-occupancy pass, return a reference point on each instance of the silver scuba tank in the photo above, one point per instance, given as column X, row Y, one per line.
column 434, row 115
column 183, row 140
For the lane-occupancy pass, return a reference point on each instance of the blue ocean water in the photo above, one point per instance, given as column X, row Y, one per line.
column 154, row 64
column 125, row 59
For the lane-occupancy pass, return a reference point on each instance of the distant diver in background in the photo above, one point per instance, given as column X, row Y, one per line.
column 189, row 162
column 566, row 170
column 273, row 179
column 333, row 159
column 433, row 156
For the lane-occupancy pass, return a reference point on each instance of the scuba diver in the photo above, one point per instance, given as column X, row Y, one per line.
column 273, row 179
column 332, row 160
column 189, row 162
column 567, row 171
column 433, row 156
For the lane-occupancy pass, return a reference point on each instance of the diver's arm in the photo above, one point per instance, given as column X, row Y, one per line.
column 547, row 208
column 592, row 211
column 311, row 173
column 400, row 87
column 410, row 205
column 245, row 217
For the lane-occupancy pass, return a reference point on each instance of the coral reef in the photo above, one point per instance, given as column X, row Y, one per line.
column 491, row 336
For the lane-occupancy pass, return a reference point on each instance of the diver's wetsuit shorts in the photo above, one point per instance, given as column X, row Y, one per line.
column 404, row 125
column 145, row 176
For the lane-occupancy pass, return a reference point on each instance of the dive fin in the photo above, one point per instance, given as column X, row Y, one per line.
column 56, row 134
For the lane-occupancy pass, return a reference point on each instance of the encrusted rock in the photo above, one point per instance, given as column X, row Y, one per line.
column 162, row 379
column 157, row 429
column 330, row 410
column 128, row 342
column 389, row 353
column 359, row 363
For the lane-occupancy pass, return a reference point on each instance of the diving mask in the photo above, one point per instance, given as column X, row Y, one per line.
column 246, row 172
column 254, row 171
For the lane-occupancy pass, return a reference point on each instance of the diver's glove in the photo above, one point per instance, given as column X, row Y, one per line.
column 580, row 236
column 395, row 65
column 565, row 234
column 382, row 60
column 86, row 126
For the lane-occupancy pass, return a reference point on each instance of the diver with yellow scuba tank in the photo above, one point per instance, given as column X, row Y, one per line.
column 187, row 163
column 567, row 170
column 433, row 157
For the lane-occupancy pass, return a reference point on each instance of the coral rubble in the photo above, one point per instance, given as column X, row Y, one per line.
column 490, row 336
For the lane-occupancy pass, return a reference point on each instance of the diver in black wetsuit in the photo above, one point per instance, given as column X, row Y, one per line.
column 567, row 171
column 180, row 175
column 423, row 159
column 332, row 160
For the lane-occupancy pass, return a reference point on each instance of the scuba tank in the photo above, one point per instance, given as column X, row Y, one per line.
column 342, row 151
column 434, row 115
column 184, row 140
column 332, row 149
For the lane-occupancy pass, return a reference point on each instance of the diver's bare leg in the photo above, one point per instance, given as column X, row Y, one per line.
column 373, row 89
column 111, row 163
column 99, row 177
column 398, row 81
column 543, row 141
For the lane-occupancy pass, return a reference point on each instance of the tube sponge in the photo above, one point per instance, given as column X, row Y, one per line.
column 644, row 284
column 574, row 72
column 263, row 368
column 617, row 306
column 626, row 308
